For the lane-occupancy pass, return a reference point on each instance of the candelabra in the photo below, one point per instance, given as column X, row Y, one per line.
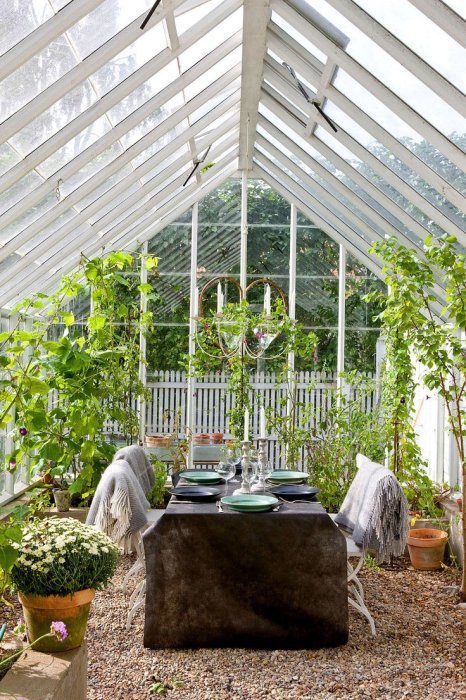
column 260, row 485
column 246, row 476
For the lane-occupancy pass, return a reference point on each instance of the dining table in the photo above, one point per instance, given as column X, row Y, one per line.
column 219, row 578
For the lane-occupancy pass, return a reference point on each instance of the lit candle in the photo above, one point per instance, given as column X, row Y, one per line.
column 246, row 425
column 267, row 299
column 262, row 424
column 219, row 298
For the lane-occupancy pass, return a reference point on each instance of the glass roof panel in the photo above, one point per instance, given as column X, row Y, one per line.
column 393, row 74
column 75, row 146
column 185, row 19
column 54, row 118
column 458, row 6
column 149, row 44
column 302, row 40
column 34, row 76
column 422, row 36
column 8, row 157
column 384, row 154
column 20, row 19
column 88, row 170
column 404, row 133
column 100, row 25
column 19, row 190
column 211, row 40
column 210, row 75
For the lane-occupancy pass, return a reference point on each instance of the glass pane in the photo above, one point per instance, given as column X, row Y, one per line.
column 422, row 36
column 223, row 204
column 151, row 43
column 167, row 346
column 172, row 246
column 8, row 158
column 360, row 350
column 218, row 248
column 36, row 75
column 54, row 118
column 19, row 190
column 185, row 19
column 402, row 131
column 103, row 23
column 212, row 39
column 268, row 251
column 20, row 19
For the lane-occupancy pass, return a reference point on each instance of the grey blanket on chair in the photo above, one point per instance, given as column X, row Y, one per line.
column 119, row 505
column 375, row 511
column 139, row 463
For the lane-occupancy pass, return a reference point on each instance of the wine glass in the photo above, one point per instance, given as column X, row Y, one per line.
column 227, row 471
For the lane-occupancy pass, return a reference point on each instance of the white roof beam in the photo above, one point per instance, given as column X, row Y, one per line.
column 382, row 37
column 139, row 231
column 366, row 185
column 292, row 192
column 181, row 166
column 255, row 18
column 336, row 207
column 102, row 175
column 98, row 58
column 92, row 113
column 360, row 117
column 333, row 182
column 30, row 282
column 41, row 37
column 372, row 84
column 65, row 235
column 383, row 171
column 444, row 17
column 119, row 130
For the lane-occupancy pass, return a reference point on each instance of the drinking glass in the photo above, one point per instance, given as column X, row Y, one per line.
column 227, row 471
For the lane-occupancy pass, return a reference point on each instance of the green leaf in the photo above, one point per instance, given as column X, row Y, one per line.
column 37, row 386
column 8, row 556
column 87, row 450
column 96, row 322
column 68, row 318
column 122, row 310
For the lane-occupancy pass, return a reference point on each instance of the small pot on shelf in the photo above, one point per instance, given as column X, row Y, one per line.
column 426, row 548
column 62, row 499
column 158, row 440
column 216, row 438
column 201, row 439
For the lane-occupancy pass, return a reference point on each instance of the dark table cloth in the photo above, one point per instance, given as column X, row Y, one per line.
column 264, row 580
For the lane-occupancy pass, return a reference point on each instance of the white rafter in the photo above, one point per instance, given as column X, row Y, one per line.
column 256, row 14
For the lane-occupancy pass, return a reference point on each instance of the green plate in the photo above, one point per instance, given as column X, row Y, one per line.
column 286, row 476
column 250, row 503
column 197, row 476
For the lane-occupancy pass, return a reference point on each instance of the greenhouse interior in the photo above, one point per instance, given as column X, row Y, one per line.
column 233, row 349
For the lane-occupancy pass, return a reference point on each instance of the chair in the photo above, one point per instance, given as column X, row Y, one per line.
column 374, row 515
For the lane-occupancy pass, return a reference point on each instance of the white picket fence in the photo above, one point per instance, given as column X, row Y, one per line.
column 168, row 394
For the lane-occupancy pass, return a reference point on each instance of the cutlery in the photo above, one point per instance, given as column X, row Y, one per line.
column 219, row 507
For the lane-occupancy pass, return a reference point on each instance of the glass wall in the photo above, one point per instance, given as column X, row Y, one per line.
column 268, row 256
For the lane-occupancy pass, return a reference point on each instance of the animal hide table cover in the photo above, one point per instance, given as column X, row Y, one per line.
column 264, row 580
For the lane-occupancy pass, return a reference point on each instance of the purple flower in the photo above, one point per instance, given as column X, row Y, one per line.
column 12, row 462
column 402, row 400
column 23, row 431
column 206, row 326
column 59, row 630
column 260, row 335
column 315, row 357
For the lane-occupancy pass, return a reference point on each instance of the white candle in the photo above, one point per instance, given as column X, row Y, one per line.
column 196, row 302
column 219, row 298
column 262, row 423
column 246, row 425
column 267, row 299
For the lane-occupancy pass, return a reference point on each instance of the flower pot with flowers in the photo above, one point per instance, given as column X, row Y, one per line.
column 61, row 564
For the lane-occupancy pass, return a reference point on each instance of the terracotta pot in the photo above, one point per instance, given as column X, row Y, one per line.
column 216, row 438
column 158, row 440
column 427, row 548
column 201, row 439
column 40, row 611
column 62, row 500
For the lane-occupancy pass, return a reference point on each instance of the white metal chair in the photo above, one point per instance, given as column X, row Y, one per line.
column 137, row 597
column 355, row 589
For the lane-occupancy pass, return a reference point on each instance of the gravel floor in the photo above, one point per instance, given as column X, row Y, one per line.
column 418, row 652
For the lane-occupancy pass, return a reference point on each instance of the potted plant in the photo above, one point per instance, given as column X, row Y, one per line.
column 426, row 548
column 61, row 563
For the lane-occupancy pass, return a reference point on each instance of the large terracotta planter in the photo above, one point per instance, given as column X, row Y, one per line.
column 40, row 611
column 427, row 548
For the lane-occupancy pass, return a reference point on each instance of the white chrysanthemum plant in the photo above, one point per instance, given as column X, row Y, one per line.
column 60, row 556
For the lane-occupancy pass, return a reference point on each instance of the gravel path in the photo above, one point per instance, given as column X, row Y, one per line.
column 418, row 653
